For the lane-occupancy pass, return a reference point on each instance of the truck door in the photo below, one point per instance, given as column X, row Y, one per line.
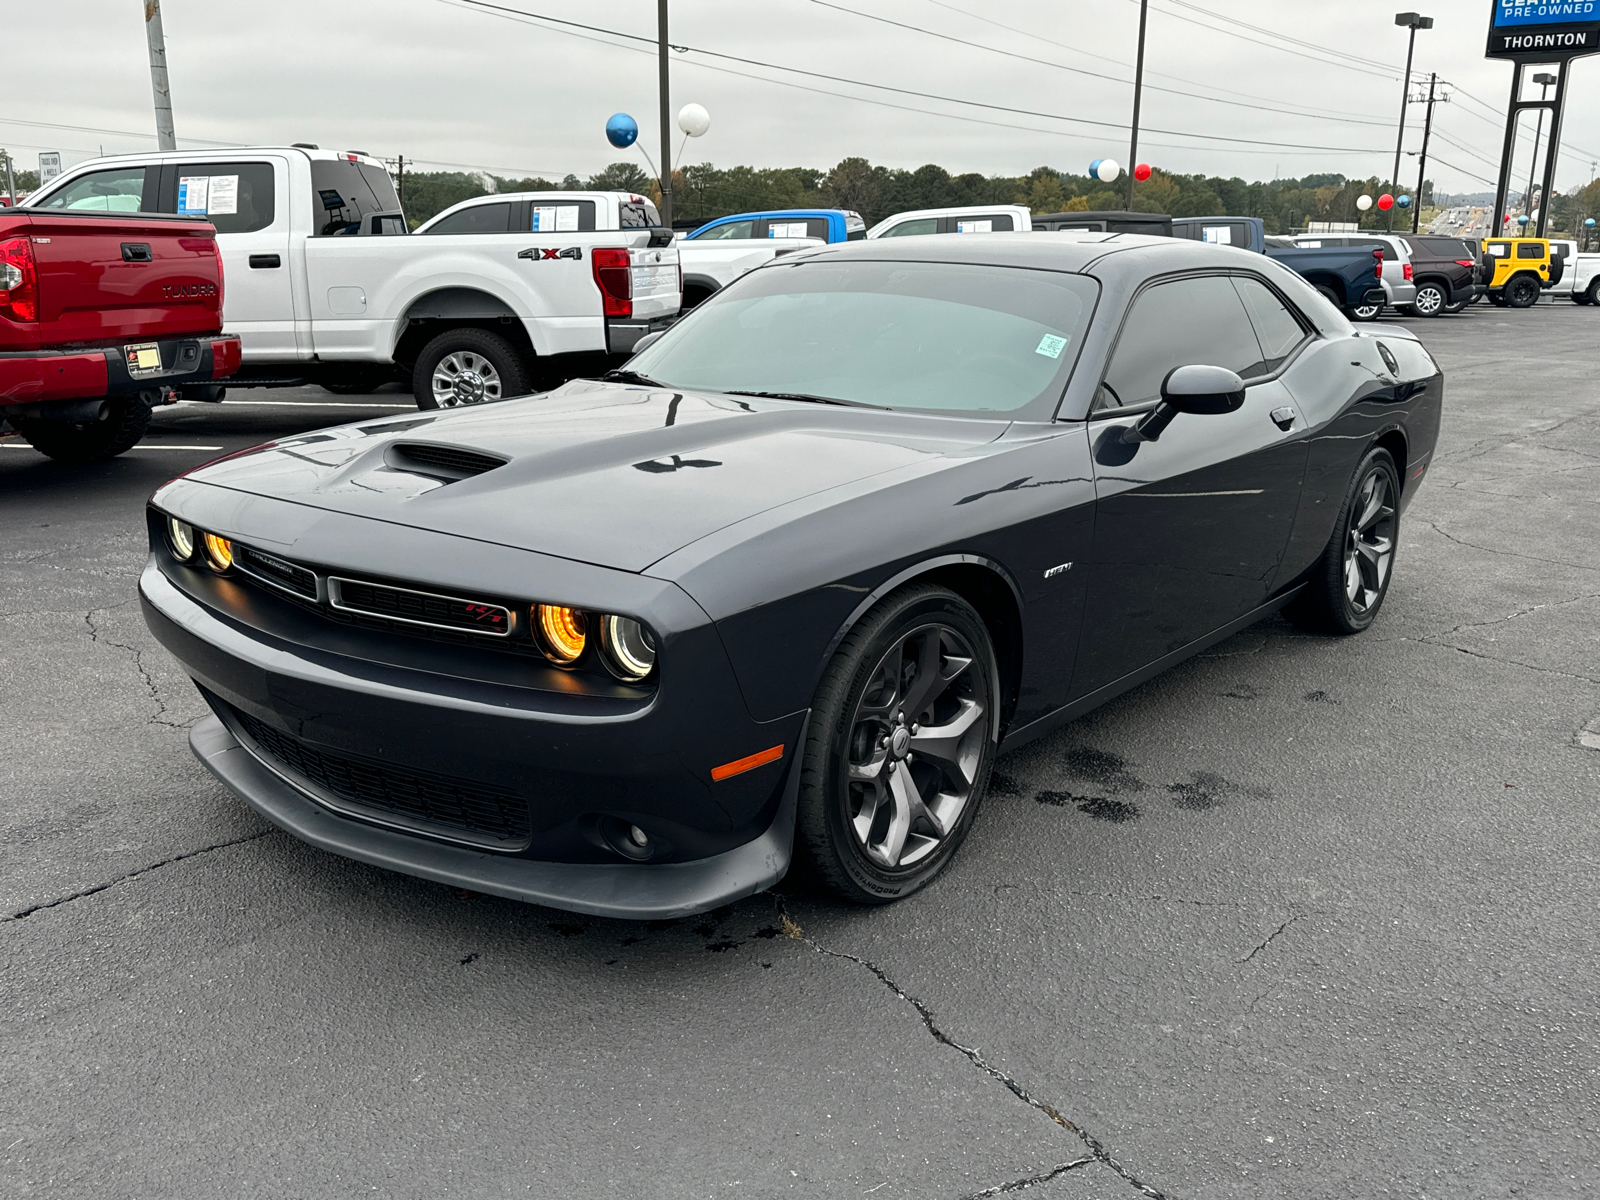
column 248, row 202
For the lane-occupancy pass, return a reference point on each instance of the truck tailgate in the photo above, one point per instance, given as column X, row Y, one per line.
column 105, row 278
column 657, row 291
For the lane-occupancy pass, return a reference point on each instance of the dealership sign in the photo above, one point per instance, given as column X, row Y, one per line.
column 1544, row 29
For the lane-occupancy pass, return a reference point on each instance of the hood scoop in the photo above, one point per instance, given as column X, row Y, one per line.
column 448, row 463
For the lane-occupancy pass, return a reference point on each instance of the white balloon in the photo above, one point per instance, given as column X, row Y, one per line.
column 1363, row 202
column 1109, row 170
column 693, row 119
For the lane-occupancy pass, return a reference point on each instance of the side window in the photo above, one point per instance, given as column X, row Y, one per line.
column 575, row 216
column 1529, row 250
column 993, row 223
column 733, row 229
column 479, row 218
column 912, row 228
column 121, row 189
column 344, row 194
column 1277, row 328
column 1225, row 233
column 235, row 197
column 816, row 227
column 631, row 215
column 1178, row 324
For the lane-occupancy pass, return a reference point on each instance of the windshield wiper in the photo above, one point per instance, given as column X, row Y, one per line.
column 799, row 396
column 623, row 375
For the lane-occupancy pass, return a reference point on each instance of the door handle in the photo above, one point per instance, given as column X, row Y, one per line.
column 1283, row 418
column 136, row 252
column 262, row 261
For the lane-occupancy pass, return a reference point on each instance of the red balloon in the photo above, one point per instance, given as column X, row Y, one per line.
column 1386, row 202
column 1142, row 171
column 1506, row 220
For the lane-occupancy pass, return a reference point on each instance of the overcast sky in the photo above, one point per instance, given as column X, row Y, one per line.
column 452, row 86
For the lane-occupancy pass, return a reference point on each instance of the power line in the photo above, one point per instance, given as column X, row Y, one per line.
column 1275, row 45
column 1026, row 112
column 1080, row 70
column 1326, row 50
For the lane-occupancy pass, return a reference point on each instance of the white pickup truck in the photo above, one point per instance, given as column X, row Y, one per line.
column 323, row 285
column 1580, row 274
column 708, row 265
column 982, row 218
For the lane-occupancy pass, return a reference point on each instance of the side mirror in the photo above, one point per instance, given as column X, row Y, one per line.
column 1200, row 390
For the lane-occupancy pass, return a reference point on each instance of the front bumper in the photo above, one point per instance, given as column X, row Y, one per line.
column 43, row 376
column 631, row 891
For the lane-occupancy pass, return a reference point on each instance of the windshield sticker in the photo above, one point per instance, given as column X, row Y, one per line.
column 223, row 198
column 192, row 194
column 1220, row 234
column 1051, row 345
column 984, row 226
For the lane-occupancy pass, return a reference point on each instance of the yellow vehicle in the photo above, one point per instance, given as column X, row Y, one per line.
column 1518, row 269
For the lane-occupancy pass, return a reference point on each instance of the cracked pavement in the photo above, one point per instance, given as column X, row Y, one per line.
column 1302, row 917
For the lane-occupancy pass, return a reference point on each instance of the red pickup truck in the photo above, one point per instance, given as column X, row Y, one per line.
column 102, row 317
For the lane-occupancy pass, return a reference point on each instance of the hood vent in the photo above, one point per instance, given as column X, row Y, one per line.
column 440, row 462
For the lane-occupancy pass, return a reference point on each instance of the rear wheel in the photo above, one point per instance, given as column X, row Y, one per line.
column 1351, row 579
column 88, row 441
column 899, row 747
column 1328, row 294
column 1431, row 300
column 1592, row 296
column 1365, row 312
column 1458, row 306
column 1522, row 292
column 467, row 366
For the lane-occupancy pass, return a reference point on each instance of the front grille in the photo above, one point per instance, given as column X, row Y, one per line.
column 423, row 608
column 269, row 568
column 451, row 462
column 421, row 797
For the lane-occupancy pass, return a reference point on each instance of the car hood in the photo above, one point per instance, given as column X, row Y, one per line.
column 619, row 476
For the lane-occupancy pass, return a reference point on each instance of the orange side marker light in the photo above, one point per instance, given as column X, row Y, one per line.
column 740, row 765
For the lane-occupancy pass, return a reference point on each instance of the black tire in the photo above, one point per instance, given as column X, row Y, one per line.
column 505, row 376
column 79, row 442
column 1331, row 602
column 1592, row 296
column 1432, row 299
column 1328, row 294
column 695, row 294
column 1498, row 299
column 1522, row 292
column 832, row 849
column 1458, row 306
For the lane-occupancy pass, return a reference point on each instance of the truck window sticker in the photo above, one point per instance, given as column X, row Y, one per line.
column 223, row 195
column 192, row 195
column 975, row 226
column 1221, row 235
column 777, row 229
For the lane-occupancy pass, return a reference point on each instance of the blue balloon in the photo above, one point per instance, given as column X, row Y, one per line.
column 1589, row 224
column 1094, row 168
column 1404, row 202
column 1522, row 220
column 622, row 130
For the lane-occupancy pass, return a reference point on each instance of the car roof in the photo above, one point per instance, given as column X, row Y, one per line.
column 780, row 212
column 1106, row 253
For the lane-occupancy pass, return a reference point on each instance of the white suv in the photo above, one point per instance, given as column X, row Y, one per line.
column 1396, row 274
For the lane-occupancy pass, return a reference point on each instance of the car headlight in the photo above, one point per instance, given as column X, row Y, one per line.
column 563, row 632
column 219, row 552
column 627, row 648
column 180, row 539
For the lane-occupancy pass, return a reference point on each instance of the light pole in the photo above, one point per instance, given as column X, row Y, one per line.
column 1414, row 22
column 157, row 41
column 1138, row 90
column 1544, row 79
column 666, row 115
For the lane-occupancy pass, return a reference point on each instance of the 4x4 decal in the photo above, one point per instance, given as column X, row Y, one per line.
column 540, row 254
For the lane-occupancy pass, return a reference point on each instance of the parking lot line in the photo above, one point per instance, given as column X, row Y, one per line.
column 26, row 446
column 287, row 404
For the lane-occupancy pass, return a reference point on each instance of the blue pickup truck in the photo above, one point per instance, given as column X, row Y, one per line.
column 1346, row 276
column 829, row 224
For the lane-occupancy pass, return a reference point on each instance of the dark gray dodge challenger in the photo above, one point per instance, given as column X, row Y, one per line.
column 774, row 596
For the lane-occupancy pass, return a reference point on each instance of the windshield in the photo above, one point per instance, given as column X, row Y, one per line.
column 973, row 340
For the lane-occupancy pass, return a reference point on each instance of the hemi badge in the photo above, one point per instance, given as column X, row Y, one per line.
column 1061, row 570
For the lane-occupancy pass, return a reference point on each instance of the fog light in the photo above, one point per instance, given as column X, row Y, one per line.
column 219, row 552
column 180, row 537
column 563, row 632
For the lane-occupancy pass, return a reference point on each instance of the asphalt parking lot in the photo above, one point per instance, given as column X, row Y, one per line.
column 1302, row 918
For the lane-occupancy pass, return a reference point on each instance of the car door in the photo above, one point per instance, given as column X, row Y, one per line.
column 248, row 202
column 1190, row 529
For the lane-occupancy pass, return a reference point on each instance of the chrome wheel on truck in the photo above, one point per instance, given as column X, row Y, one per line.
column 467, row 366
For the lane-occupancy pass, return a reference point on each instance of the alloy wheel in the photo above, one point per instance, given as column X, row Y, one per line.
column 1369, row 542
column 917, row 740
column 1430, row 300
column 1366, row 312
column 465, row 377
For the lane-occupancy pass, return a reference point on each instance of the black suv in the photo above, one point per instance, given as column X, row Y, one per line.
column 1446, row 271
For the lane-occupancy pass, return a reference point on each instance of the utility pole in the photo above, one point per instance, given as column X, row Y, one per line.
column 400, row 185
column 11, row 180
column 1544, row 79
column 165, row 138
column 1422, row 163
column 666, row 115
column 1138, row 91
column 1414, row 22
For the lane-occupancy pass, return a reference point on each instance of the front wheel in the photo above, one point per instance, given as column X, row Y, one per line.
column 467, row 366
column 1592, row 296
column 88, row 441
column 899, row 747
column 1351, row 579
column 1430, row 301
column 1365, row 312
column 1522, row 293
